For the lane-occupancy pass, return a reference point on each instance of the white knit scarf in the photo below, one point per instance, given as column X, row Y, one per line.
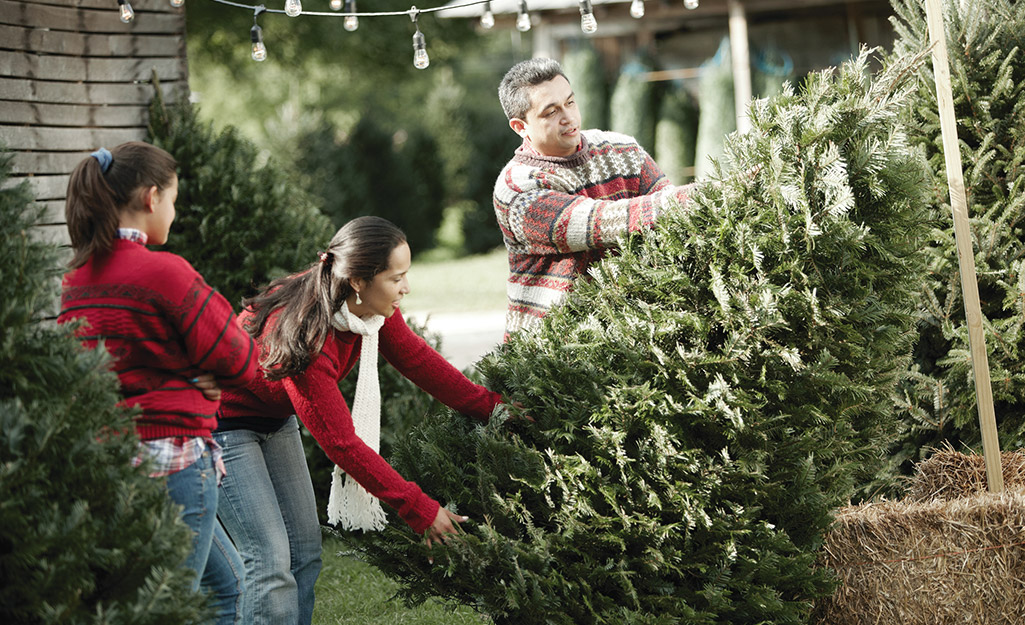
column 349, row 503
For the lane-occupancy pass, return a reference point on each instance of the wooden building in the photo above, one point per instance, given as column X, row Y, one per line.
column 73, row 78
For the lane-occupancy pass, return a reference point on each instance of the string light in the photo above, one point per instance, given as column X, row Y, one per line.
column 690, row 4
column 587, row 22
column 125, row 10
column 293, row 8
column 487, row 20
column 420, row 59
column 351, row 22
column 177, row 3
column 256, row 35
column 336, row 5
column 523, row 19
column 637, row 9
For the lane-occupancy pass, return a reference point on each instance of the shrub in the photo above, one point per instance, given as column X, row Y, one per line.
column 84, row 536
column 239, row 222
column 705, row 401
column 986, row 40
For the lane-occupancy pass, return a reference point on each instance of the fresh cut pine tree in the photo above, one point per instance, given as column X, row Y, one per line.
column 84, row 536
column 705, row 401
column 986, row 40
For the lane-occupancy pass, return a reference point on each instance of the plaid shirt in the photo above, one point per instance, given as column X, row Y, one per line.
column 172, row 454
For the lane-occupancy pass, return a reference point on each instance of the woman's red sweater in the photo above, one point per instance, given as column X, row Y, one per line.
column 314, row 397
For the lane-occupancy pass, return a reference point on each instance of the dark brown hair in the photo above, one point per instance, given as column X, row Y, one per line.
column 303, row 303
column 96, row 199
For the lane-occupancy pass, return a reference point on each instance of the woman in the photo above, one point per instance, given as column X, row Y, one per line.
column 311, row 328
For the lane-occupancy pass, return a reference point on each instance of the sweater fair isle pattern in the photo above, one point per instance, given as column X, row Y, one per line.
column 559, row 215
column 163, row 325
column 314, row 397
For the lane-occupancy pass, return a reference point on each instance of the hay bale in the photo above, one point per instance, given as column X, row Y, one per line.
column 928, row 563
column 948, row 474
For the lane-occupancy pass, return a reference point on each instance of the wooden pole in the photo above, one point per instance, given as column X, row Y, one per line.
column 965, row 254
column 740, row 55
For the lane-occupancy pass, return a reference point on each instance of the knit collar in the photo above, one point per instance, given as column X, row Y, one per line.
column 527, row 154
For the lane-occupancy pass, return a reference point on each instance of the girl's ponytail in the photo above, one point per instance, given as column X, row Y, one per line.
column 103, row 185
column 91, row 212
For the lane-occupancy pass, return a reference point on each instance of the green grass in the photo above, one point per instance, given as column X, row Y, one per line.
column 351, row 592
column 468, row 284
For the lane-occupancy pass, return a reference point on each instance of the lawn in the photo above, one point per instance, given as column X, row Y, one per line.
column 351, row 592
column 468, row 284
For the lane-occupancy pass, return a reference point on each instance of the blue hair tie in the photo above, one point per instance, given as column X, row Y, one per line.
column 105, row 158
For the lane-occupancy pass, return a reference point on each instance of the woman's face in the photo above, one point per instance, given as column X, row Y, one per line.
column 382, row 294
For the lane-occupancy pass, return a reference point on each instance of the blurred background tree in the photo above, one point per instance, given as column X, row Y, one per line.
column 334, row 109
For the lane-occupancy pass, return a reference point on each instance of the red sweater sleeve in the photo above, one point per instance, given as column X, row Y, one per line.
column 212, row 335
column 410, row 354
column 322, row 409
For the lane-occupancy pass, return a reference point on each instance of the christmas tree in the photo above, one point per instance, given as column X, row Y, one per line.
column 84, row 536
column 986, row 40
column 705, row 401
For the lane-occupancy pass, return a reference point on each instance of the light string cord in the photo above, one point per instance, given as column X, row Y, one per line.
column 409, row 13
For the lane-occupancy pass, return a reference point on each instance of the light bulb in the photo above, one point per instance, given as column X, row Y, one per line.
column 487, row 20
column 259, row 50
column 336, row 5
column 690, row 4
column 420, row 59
column 127, row 14
column 351, row 22
column 177, row 3
column 293, row 8
column 523, row 22
column 588, row 24
column 637, row 9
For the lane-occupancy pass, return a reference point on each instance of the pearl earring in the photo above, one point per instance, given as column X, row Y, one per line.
column 358, row 300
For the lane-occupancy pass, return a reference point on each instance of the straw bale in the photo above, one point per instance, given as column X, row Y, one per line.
column 949, row 474
column 928, row 563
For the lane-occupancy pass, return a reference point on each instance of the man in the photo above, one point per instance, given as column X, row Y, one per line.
column 567, row 195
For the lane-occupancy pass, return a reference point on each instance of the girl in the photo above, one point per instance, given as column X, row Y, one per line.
column 174, row 340
column 312, row 327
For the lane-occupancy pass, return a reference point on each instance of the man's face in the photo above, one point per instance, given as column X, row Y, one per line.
column 553, row 122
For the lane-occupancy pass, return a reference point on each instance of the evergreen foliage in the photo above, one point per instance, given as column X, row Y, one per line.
column 84, row 536
column 633, row 106
column 676, row 135
column 240, row 223
column 583, row 67
column 492, row 144
column 986, row 43
column 705, row 401
column 366, row 174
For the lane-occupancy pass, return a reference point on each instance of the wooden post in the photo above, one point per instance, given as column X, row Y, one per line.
column 741, row 59
column 965, row 254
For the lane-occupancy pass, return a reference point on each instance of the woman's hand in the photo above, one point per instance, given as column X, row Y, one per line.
column 207, row 383
column 445, row 525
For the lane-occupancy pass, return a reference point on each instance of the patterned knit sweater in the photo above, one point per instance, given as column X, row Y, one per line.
column 560, row 214
column 314, row 397
column 163, row 325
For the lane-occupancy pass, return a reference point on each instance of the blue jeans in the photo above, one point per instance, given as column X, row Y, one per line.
column 218, row 567
column 269, row 510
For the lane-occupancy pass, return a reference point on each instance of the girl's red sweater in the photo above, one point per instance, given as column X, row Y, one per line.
column 314, row 397
column 163, row 325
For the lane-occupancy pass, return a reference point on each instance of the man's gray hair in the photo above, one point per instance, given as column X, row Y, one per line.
column 514, row 91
